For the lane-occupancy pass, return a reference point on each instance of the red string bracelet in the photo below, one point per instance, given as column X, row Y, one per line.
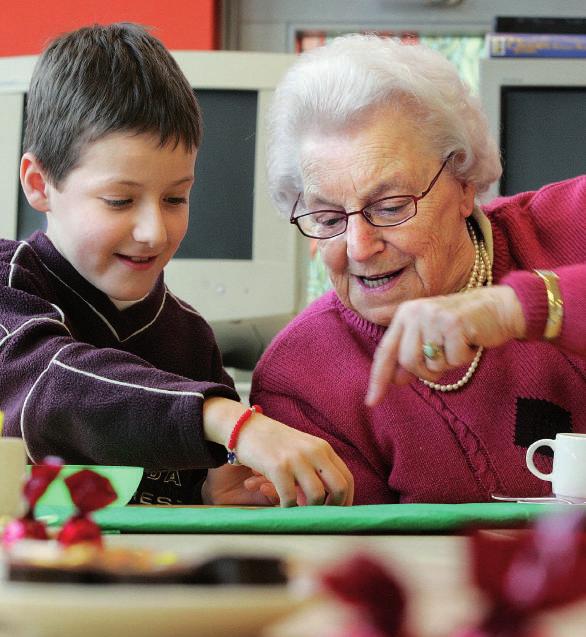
column 232, row 458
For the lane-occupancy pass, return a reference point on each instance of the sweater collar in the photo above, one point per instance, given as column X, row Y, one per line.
column 122, row 322
column 358, row 322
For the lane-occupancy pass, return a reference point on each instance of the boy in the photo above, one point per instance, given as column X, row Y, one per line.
column 100, row 363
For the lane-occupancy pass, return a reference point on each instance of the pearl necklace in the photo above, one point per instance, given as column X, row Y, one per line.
column 481, row 275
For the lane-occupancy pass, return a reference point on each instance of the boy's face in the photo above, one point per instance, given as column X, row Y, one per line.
column 121, row 214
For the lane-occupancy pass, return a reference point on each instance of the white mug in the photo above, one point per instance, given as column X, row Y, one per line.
column 568, row 476
column 12, row 472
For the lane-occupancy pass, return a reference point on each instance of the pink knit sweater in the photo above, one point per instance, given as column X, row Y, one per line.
column 420, row 445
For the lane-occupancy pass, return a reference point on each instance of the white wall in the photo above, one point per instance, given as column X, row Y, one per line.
column 270, row 25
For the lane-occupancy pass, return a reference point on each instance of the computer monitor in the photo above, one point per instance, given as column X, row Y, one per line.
column 537, row 112
column 241, row 265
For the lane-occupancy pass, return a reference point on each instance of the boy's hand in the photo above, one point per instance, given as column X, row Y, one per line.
column 302, row 468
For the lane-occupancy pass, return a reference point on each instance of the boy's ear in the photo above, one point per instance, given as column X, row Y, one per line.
column 34, row 182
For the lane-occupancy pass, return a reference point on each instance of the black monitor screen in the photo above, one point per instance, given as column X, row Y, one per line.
column 543, row 132
column 221, row 201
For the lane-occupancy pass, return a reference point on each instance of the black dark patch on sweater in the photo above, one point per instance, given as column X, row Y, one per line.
column 537, row 419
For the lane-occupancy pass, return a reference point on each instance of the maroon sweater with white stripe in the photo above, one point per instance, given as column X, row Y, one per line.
column 421, row 445
column 90, row 383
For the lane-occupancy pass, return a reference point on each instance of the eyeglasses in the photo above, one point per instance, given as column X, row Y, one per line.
column 390, row 211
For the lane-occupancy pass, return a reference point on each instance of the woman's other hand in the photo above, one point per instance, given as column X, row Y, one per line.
column 238, row 485
column 457, row 323
column 302, row 469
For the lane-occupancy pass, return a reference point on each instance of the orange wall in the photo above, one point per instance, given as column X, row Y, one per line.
column 25, row 26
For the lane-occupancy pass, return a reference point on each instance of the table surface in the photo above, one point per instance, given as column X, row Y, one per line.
column 434, row 570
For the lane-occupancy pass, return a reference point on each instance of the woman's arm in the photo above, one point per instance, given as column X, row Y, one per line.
column 543, row 229
column 531, row 291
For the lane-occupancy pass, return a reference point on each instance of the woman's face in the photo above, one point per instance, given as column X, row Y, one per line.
column 373, row 269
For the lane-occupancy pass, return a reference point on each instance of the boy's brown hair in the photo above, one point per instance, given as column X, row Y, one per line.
column 103, row 79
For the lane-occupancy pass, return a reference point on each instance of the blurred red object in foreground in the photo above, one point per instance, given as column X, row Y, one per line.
column 89, row 492
column 373, row 592
column 529, row 572
column 28, row 527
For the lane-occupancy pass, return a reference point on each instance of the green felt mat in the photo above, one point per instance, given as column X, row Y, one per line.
column 371, row 519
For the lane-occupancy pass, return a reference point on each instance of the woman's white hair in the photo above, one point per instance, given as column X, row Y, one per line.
column 338, row 85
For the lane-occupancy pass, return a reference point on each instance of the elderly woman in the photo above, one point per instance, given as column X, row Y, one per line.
column 454, row 336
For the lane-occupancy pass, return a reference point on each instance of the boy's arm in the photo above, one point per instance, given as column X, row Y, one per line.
column 303, row 468
column 106, row 406
column 95, row 405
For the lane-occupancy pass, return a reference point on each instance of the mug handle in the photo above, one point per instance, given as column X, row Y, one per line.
column 544, row 442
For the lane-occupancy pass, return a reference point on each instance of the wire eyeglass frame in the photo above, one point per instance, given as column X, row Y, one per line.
column 343, row 215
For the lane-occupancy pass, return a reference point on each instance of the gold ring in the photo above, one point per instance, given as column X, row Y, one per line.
column 432, row 350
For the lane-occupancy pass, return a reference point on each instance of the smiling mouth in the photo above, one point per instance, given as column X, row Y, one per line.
column 137, row 259
column 373, row 282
